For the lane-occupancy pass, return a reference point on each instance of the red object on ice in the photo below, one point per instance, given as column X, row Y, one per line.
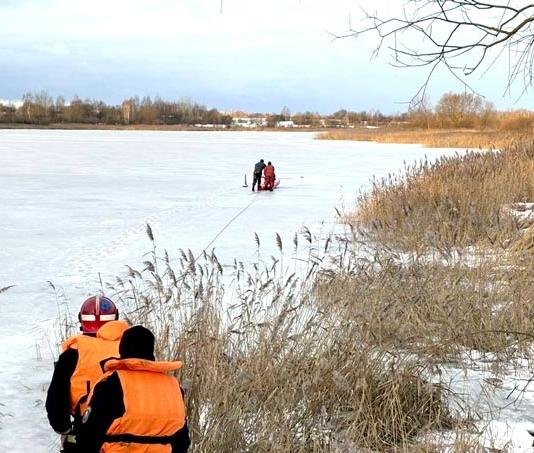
column 275, row 185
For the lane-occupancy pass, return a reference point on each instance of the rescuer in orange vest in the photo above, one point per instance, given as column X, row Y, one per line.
column 78, row 367
column 136, row 406
column 268, row 174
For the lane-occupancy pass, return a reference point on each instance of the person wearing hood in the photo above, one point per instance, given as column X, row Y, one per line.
column 78, row 366
column 136, row 406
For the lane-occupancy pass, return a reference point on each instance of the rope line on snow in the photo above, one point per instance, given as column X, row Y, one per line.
column 227, row 225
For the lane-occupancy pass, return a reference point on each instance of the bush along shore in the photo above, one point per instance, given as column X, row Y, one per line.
column 355, row 342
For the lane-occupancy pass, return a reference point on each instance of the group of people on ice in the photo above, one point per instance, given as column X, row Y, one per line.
column 108, row 393
column 268, row 174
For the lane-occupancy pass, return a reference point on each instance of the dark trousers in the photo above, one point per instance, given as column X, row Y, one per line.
column 257, row 178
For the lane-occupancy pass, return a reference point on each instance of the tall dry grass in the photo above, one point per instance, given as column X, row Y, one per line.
column 432, row 138
column 454, row 202
column 270, row 366
column 342, row 355
column 437, row 309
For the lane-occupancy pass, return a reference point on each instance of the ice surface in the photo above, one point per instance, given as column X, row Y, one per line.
column 75, row 204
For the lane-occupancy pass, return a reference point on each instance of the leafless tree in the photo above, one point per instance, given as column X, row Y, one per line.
column 465, row 36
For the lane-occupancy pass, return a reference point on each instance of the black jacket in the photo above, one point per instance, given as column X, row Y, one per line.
column 58, row 396
column 106, row 405
column 258, row 168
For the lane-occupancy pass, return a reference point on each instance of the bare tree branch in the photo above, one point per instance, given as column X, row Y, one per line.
column 458, row 34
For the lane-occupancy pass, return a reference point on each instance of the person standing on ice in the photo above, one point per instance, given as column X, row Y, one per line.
column 136, row 406
column 78, row 367
column 268, row 173
column 258, row 169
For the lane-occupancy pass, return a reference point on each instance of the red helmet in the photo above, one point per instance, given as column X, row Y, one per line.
column 95, row 312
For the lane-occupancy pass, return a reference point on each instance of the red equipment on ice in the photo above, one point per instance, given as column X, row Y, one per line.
column 275, row 185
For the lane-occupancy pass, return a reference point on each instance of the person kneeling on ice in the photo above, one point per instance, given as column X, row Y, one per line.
column 78, row 367
column 258, row 169
column 268, row 174
column 136, row 406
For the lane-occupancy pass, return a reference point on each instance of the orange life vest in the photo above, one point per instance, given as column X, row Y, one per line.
column 154, row 407
column 91, row 351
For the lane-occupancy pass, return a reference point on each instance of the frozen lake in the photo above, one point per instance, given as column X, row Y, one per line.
column 75, row 204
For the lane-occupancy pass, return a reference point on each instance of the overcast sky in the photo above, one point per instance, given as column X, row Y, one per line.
column 251, row 55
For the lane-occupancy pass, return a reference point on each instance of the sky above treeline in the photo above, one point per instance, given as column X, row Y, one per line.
column 257, row 56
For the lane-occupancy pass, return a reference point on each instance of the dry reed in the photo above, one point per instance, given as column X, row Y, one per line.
column 432, row 138
column 454, row 202
column 315, row 361
column 437, row 310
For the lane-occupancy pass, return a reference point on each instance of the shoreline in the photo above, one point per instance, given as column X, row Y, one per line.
column 151, row 127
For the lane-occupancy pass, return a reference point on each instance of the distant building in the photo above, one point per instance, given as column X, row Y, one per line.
column 210, row 126
column 333, row 122
column 286, row 124
column 243, row 122
column 261, row 121
column 247, row 122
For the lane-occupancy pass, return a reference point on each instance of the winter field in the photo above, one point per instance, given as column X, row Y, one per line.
column 75, row 205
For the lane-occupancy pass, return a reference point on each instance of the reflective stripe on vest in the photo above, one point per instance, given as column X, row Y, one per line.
column 154, row 407
column 91, row 351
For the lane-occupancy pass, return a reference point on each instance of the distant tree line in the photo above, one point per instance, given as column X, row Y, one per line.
column 453, row 110
column 466, row 110
column 44, row 109
column 340, row 118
